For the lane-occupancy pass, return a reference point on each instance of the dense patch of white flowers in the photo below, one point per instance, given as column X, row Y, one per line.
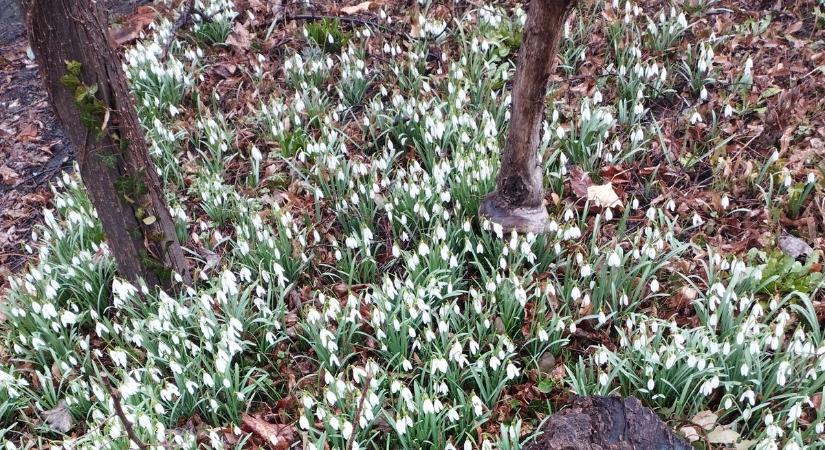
column 419, row 324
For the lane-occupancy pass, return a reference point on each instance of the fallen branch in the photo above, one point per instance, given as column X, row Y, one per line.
column 358, row 409
column 130, row 431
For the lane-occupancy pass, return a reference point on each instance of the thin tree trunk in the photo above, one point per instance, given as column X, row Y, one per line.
column 71, row 43
column 518, row 203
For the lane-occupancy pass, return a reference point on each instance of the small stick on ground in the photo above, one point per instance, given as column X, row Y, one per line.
column 358, row 409
column 130, row 431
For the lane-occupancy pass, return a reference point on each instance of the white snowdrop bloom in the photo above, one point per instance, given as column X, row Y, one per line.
column 427, row 406
column 129, row 388
column 614, row 260
column 697, row 220
column 748, row 65
column 575, row 293
column 654, row 285
column 346, row 429
column 695, row 118
column 650, row 384
column 118, row 357
column 811, row 179
column 68, row 318
column 255, row 154
column 725, row 201
column 703, row 94
column 728, row 110
column 512, row 371
column 478, row 406
column 708, row 386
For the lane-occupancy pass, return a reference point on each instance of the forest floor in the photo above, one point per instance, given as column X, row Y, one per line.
column 324, row 162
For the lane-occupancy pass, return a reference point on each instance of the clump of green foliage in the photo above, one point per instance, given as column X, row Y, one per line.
column 783, row 274
column 92, row 110
column 328, row 35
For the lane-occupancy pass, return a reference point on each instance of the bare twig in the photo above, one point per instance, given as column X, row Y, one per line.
column 358, row 409
column 130, row 431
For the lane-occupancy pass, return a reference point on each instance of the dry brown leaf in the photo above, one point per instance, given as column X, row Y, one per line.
column 604, row 196
column 136, row 24
column 723, row 435
column 279, row 436
column 355, row 9
column 59, row 418
column 705, row 419
column 580, row 181
column 690, row 434
column 240, row 39
column 8, row 176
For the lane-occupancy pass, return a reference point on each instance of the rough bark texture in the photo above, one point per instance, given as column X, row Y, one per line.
column 607, row 423
column 114, row 164
column 518, row 202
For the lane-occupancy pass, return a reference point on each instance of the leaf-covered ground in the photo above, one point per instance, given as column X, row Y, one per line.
column 324, row 165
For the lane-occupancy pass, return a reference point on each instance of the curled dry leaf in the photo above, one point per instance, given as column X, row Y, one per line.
column 355, row 9
column 279, row 436
column 604, row 196
column 723, row 435
column 690, row 433
column 580, row 181
column 240, row 38
column 59, row 418
column 705, row 419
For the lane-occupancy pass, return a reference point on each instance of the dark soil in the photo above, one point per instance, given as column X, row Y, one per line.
column 33, row 149
column 606, row 423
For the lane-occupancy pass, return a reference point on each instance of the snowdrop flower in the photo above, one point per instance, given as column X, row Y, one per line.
column 725, row 201
column 68, row 318
column 255, row 153
column 512, row 371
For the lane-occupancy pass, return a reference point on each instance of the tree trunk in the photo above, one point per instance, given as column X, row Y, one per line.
column 83, row 76
column 518, row 202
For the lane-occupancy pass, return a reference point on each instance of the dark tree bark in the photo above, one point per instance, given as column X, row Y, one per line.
column 87, row 88
column 518, row 202
column 606, row 423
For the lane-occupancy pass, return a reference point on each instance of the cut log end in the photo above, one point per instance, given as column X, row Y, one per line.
column 520, row 219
